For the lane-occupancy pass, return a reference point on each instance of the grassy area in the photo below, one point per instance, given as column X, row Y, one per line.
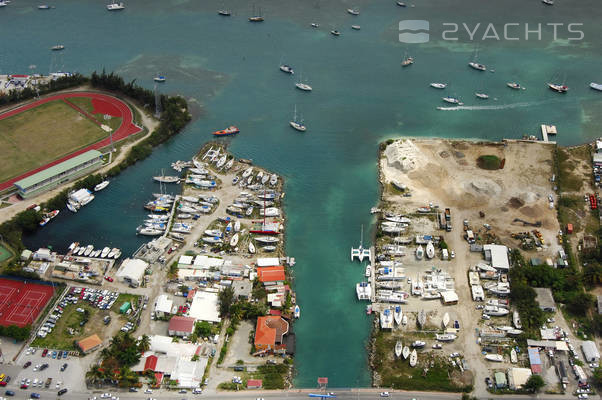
column 123, row 297
column 43, row 134
column 272, row 376
column 399, row 375
column 568, row 179
column 5, row 253
column 60, row 338
column 489, row 162
column 85, row 103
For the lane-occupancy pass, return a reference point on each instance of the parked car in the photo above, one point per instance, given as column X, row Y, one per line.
column 34, row 395
column 45, row 352
column 54, row 354
column 9, row 393
column 27, row 364
column 108, row 278
column 64, row 366
column 384, row 394
column 62, row 392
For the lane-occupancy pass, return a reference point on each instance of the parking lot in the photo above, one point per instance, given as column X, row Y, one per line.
column 72, row 377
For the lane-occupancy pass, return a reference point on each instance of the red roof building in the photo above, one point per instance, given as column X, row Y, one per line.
column 254, row 384
column 150, row 363
column 269, row 333
column 181, row 326
column 271, row 275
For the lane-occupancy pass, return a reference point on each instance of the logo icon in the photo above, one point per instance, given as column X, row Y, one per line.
column 414, row 31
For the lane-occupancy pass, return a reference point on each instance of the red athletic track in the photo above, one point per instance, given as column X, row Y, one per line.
column 21, row 302
column 103, row 104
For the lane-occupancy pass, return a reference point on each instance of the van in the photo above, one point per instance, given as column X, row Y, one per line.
column 215, row 339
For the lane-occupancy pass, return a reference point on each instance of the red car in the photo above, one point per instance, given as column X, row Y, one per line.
column 108, row 278
column 3, row 383
column 27, row 364
column 24, row 386
column 44, row 352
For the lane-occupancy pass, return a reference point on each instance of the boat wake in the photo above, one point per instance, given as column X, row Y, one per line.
column 492, row 107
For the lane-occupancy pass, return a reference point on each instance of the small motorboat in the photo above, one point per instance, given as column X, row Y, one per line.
column 514, row 85
column 446, row 337
column 287, row 68
column 268, row 249
column 334, row 32
column 225, row 13
column 438, row 85
column 160, row 78
column 314, row 25
column 483, row 96
column 356, row 27
column 407, row 61
column 494, row 357
column 548, row 2
column 401, row 4
column 353, row 11
column 303, row 86
column 43, row 7
column 560, row 88
column 57, row 47
column 418, row 344
column 231, row 130
column 101, row 186
column 297, row 311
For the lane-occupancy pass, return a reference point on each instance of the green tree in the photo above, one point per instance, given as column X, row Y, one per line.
column 597, row 377
column 202, row 329
column 535, row 383
column 226, row 298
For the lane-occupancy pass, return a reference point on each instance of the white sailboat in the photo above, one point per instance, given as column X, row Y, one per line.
column 398, row 314
column 303, row 86
column 445, row 320
column 438, row 85
column 445, row 337
column 398, row 348
column 297, row 125
column 419, row 252
column 413, row 358
column 494, row 357
column 234, row 240
column 513, row 356
column 114, row 6
column 368, row 271
column 430, row 250
column 405, row 352
column 251, row 248
column 101, row 186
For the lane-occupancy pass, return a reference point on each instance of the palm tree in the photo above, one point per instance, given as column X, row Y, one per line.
column 144, row 344
column 95, row 374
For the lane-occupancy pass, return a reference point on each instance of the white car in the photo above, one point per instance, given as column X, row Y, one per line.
column 384, row 394
column 148, row 391
column 452, row 254
column 105, row 396
column 197, row 391
column 582, row 396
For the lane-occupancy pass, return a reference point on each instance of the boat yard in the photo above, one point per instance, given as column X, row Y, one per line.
column 445, row 224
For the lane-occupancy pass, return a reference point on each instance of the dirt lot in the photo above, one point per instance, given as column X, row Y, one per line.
column 442, row 173
column 446, row 173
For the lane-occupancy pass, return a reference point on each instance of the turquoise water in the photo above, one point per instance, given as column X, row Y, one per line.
column 361, row 96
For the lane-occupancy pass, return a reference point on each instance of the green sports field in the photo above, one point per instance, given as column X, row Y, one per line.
column 40, row 135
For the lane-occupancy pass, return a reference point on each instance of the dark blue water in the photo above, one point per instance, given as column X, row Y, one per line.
column 361, row 96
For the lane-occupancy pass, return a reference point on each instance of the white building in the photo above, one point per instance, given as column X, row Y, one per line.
column 163, row 305
column 206, row 262
column 590, row 351
column 131, row 271
column 205, row 307
column 44, row 254
column 517, row 377
column 268, row 262
column 497, row 255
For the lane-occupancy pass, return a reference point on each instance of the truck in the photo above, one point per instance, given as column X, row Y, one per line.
column 47, row 383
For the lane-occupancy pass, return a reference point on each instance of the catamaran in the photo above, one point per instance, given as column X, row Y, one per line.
column 115, row 6
column 363, row 291
column 360, row 253
column 297, row 125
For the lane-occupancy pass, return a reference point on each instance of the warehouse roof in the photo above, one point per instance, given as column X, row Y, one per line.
column 58, row 168
column 181, row 324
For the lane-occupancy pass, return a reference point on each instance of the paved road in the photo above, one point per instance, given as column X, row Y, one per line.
column 347, row 394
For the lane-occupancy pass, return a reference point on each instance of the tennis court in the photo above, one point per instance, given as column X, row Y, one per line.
column 21, row 302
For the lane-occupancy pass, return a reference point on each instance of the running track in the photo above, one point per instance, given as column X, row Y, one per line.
column 103, row 104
